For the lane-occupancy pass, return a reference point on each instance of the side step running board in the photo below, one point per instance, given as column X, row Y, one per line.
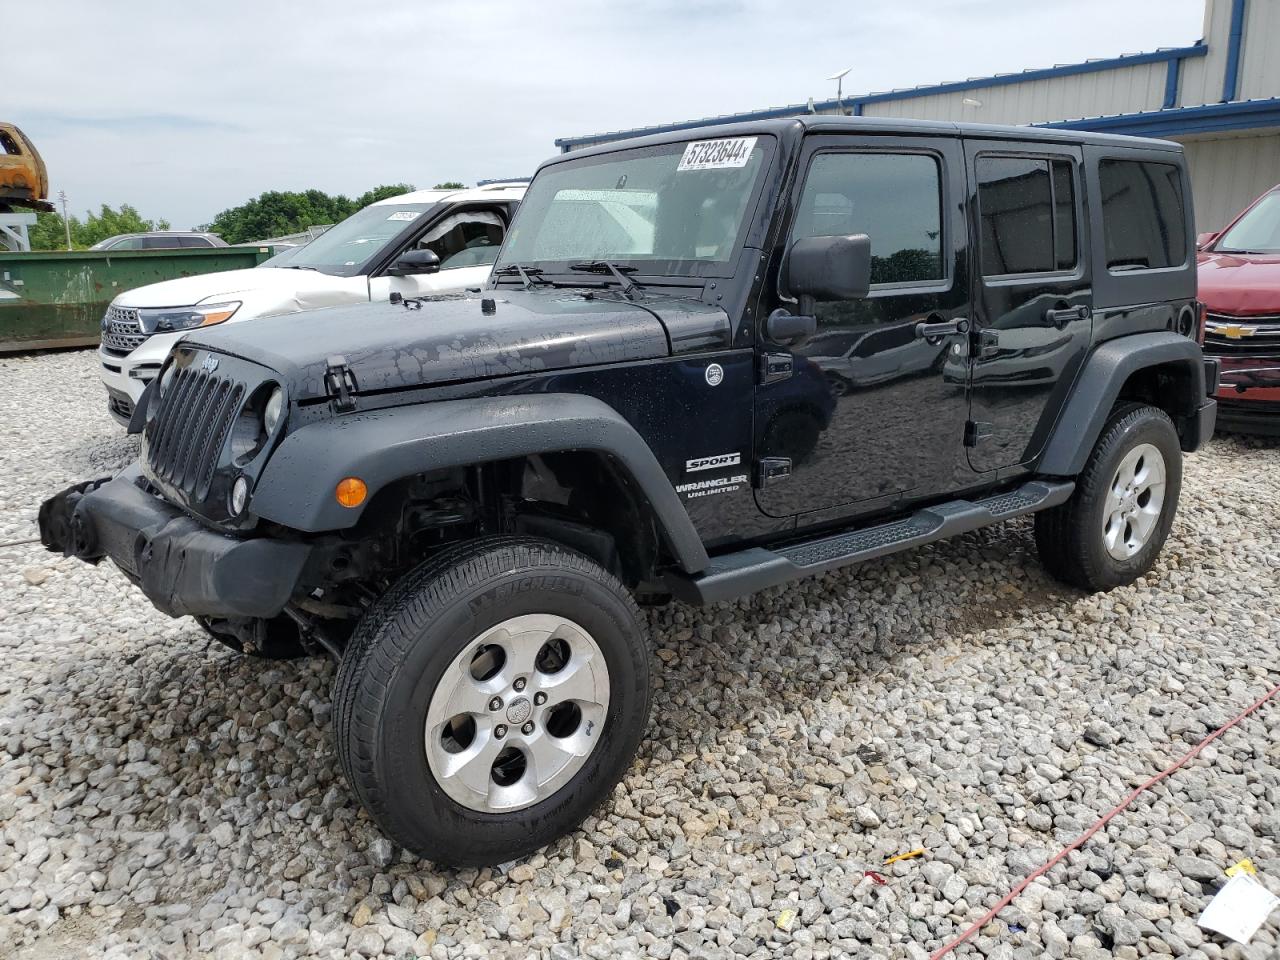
column 738, row 574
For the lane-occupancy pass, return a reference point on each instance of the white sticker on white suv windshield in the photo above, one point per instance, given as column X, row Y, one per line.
column 717, row 154
column 405, row 215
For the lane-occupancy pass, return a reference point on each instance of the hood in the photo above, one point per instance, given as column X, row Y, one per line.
column 446, row 339
column 226, row 285
column 1240, row 284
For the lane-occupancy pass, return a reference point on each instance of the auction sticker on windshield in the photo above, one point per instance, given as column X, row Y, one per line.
column 717, row 154
column 405, row 215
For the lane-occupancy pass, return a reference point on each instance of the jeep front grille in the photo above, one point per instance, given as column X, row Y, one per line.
column 122, row 331
column 1228, row 336
column 188, row 432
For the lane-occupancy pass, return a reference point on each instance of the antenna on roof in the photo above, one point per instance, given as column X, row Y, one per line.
column 839, row 79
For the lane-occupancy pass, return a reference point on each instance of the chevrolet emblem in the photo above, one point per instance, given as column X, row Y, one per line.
column 1234, row 331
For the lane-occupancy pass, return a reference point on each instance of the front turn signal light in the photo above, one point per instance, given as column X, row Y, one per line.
column 351, row 491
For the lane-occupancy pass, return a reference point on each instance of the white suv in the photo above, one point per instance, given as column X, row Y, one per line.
column 429, row 241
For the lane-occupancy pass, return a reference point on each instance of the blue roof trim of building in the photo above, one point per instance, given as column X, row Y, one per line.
column 1171, row 84
column 1231, row 76
column 1209, row 118
column 1173, row 55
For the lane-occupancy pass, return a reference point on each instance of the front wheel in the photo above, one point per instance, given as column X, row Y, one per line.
column 492, row 699
column 1112, row 529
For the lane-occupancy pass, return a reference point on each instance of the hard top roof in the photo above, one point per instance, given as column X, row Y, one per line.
column 496, row 191
column 818, row 123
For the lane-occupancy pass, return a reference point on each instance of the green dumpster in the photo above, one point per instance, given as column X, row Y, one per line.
column 57, row 299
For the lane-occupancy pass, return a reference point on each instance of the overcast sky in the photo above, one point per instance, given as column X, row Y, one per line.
column 184, row 109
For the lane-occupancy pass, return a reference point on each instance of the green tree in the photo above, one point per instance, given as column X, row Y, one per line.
column 450, row 185
column 49, row 232
column 278, row 213
column 384, row 192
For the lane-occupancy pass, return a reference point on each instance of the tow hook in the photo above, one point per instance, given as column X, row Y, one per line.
column 63, row 530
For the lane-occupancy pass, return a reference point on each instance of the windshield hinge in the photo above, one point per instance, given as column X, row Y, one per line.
column 340, row 383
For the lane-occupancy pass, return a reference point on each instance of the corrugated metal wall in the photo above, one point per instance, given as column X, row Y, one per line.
column 1201, row 80
column 1260, row 71
column 1227, row 173
column 1061, row 98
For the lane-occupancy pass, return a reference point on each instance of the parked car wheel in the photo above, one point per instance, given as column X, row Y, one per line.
column 492, row 699
column 1112, row 529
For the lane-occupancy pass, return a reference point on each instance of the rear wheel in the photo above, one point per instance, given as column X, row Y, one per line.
column 1112, row 529
column 492, row 699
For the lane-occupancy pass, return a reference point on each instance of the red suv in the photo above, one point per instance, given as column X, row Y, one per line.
column 1240, row 288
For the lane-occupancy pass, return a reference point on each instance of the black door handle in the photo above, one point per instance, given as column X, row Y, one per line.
column 943, row 328
column 1060, row 318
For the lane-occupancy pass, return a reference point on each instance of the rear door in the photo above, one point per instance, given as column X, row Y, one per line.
column 1033, row 295
column 869, row 411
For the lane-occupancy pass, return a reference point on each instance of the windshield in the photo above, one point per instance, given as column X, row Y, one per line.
column 674, row 209
column 1258, row 231
column 346, row 247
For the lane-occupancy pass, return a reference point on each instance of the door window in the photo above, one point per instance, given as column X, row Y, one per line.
column 894, row 198
column 1027, row 211
column 1143, row 218
column 470, row 239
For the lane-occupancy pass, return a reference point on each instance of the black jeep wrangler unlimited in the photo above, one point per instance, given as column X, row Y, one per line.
column 706, row 363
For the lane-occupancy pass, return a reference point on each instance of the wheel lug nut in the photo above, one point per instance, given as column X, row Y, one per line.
column 527, row 728
column 539, row 699
column 519, row 684
column 495, row 703
column 500, row 731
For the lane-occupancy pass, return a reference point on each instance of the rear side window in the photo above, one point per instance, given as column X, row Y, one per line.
column 894, row 198
column 1027, row 206
column 1143, row 220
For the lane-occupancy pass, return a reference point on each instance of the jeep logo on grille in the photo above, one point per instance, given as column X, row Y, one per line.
column 209, row 363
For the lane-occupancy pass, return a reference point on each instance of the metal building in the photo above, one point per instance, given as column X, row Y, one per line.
column 1220, row 96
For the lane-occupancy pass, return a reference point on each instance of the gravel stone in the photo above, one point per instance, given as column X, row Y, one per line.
column 162, row 797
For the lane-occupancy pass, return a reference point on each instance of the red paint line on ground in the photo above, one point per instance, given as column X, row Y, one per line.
column 1101, row 822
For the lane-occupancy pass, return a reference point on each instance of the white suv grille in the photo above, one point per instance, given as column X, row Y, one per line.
column 122, row 330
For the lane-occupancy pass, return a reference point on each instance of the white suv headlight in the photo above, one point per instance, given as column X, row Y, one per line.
column 167, row 319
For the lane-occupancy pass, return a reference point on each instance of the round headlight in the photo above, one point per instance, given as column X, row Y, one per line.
column 239, row 495
column 271, row 412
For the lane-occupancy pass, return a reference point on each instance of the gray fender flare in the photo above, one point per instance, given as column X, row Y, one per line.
column 1098, row 385
column 296, row 489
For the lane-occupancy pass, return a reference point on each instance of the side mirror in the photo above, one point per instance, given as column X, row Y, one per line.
column 1204, row 239
column 412, row 262
column 829, row 268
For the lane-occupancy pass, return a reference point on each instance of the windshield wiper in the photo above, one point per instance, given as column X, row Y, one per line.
column 300, row 266
column 527, row 274
column 629, row 287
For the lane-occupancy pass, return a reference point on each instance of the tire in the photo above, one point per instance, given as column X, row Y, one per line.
column 403, row 669
column 1081, row 542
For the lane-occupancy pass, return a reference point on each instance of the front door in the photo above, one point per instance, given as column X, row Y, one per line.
column 871, row 412
column 1033, row 296
column 467, row 243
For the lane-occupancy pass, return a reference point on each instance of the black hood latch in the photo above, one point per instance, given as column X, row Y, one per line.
column 340, row 383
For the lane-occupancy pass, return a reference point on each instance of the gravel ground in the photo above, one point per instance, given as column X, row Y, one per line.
column 162, row 797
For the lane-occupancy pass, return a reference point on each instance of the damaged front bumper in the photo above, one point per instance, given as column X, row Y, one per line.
column 184, row 568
